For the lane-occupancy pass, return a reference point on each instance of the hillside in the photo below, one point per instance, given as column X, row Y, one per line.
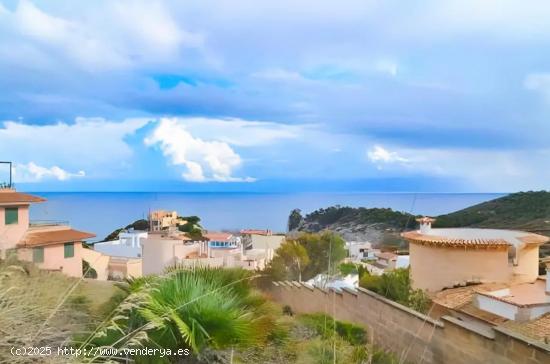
column 374, row 224
column 528, row 211
column 523, row 211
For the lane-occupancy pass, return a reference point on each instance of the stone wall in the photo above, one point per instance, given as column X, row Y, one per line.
column 413, row 337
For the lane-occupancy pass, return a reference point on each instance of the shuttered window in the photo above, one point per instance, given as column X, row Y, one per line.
column 11, row 215
column 38, row 255
column 69, row 250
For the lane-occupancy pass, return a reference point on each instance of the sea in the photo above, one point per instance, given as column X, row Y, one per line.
column 102, row 212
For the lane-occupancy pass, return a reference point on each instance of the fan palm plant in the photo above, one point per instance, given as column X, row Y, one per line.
column 194, row 309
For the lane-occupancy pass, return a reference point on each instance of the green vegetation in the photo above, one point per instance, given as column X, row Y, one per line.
column 215, row 313
column 192, row 227
column 294, row 219
column 39, row 308
column 140, row 224
column 306, row 256
column 197, row 309
column 88, row 271
column 316, row 338
column 348, row 268
column 339, row 215
column 396, row 286
column 522, row 210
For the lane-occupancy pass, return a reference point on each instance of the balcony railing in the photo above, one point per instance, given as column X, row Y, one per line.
column 38, row 223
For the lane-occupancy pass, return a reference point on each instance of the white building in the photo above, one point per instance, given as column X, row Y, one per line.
column 127, row 245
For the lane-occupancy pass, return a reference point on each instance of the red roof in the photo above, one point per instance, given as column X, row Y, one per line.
column 53, row 237
column 256, row 232
column 11, row 196
column 218, row 236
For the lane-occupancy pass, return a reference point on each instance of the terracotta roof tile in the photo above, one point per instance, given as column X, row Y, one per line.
column 18, row 197
column 218, row 236
column 256, row 231
column 52, row 237
column 538, row 329
column 455, row 298
column 424, row 239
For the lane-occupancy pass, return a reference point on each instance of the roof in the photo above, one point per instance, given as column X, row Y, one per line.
column 11, row 196
column 521, row 295
column 538, row 329
column 255, row 232
column 455, row 298
column 474, row 237
column 53, row 237
column 218, row 236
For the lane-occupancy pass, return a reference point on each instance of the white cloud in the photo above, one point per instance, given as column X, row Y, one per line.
column 95, row 145
column 279, row 74
column 483, row 169
column 205, row 146
column 386, row 66
column 120, row 35
column 538, row 82
column 241, row 132
column 204, row 160
column 379, row 154
column 31, row 172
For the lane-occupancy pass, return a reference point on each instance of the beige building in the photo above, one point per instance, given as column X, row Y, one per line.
column 162, row 220
column 51, row 245
column 170, row 248
column 446, row 258
column 261, row 239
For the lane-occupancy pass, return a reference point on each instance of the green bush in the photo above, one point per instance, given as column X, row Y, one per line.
column 348, row 268
column 326, row 326
column 396, row 286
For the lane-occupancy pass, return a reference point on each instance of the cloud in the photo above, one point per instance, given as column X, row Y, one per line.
column 204, row 160
column 482, row 170
column 121, row 35
column 538, row 82
column 205, row 146
column 31, row 172
column 95, row 145
column 386, row 66
column 244, row 133
column 379, row 154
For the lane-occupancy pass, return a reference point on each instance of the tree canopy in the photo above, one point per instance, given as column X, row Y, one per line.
column 307, row 255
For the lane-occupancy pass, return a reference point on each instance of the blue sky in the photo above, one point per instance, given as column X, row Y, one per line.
column 276, row 95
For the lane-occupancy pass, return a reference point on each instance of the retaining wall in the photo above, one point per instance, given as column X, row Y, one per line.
column 413, row 337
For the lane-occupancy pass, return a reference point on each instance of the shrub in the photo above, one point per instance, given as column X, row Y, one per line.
column 396, row 286
column 287, row 310
column 194, row 309
column 88, row 271
column 326, row 326
column 348, row 268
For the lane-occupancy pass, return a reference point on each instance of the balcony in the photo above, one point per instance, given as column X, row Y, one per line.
column 46, row 223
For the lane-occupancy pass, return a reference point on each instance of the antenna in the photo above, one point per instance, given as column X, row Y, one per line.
column 10, row 184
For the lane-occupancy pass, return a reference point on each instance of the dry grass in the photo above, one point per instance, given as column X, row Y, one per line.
column 39, row 308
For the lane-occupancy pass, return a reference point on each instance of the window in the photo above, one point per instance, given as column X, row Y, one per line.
column 69, row 250
column 38, row 255
column 11, row 215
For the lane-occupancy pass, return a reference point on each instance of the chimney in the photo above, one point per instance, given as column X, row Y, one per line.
column 425, row 224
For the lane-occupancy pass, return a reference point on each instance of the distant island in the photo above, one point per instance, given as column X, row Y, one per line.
column 529, row 211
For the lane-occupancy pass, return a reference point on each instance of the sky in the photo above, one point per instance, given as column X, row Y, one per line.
column 369, row 95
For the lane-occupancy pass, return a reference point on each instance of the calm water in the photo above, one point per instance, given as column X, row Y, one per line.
column 101, row 213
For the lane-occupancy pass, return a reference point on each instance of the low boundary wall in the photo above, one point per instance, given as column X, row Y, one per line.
column 412, row 336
